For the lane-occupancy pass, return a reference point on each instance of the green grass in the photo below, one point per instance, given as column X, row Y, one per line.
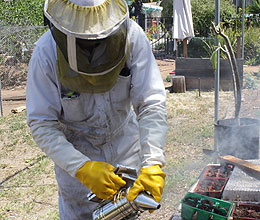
column 28, row 188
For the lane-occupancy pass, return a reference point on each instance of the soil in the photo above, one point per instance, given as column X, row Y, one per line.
column 219, row 172
column 221, row 211
column 213, row 172
column 247, row 211
column 210, row 185
column 13, row 98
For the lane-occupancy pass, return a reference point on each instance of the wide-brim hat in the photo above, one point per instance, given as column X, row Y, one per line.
column 86, row 19
column 91, row 38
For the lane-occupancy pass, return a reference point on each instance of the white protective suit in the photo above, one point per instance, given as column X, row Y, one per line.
column 100, row 126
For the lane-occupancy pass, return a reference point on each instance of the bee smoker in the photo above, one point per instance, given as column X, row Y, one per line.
column 119, row 207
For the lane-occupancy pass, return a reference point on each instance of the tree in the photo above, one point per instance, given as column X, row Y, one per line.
column 136, row 11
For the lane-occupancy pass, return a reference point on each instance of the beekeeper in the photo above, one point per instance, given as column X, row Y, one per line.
column 84, row 75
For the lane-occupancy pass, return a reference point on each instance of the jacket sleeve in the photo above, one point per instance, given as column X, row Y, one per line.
column 149, row 99
column 44, row 109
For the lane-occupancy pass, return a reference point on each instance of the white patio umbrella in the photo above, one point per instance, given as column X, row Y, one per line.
column 182, row 20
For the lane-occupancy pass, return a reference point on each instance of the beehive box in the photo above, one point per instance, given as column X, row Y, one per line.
column 213, row 181
column 242, row 187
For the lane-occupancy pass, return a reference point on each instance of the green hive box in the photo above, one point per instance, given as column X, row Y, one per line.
column 204, row 207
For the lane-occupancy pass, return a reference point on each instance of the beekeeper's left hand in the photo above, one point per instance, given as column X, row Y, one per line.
column 150, row 179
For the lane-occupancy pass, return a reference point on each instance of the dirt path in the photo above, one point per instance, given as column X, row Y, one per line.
column 166, row 66
column 12, row 98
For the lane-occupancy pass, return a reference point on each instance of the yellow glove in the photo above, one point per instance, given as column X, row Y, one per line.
column 150, row 179
column 99, row 177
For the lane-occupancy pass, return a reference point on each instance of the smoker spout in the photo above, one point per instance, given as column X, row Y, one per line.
column 146, row 202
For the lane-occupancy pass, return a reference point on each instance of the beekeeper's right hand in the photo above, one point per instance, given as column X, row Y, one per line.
column 99, row 177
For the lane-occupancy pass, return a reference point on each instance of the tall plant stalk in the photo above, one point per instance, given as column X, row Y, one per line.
column 233, row 64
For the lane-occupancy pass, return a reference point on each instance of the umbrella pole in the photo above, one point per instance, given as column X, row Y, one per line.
column 185, row 48
column 217, row 19
column 243, row 26
column 1, row 101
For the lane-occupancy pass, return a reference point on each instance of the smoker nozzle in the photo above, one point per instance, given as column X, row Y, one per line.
column 146, row 202
column 123, row 209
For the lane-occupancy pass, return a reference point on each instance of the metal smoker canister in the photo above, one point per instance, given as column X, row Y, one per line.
column 123, row 209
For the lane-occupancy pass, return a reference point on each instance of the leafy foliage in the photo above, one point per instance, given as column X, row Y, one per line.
column 254, row 8
column 203, row 12
column 252, row 46
column 135, row 8
column 167, row 8
column 21, row 12
column 204, row 47
column 232, row 36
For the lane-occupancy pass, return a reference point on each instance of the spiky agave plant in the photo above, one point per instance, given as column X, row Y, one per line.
column 254, row 8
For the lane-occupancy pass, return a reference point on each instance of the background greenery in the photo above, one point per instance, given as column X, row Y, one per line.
column 21, row 12
column 252, row 46
column 203, row 14
column 30, row 13
column 204, row 46
column 254, row 8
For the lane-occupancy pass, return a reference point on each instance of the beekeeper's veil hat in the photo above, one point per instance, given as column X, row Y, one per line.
column 91, row 38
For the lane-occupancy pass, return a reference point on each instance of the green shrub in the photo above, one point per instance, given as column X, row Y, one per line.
column 252, row 46
column 204, row 47
column 21, row 12
column 198, row 47
column 254, row 8
column 168, row 78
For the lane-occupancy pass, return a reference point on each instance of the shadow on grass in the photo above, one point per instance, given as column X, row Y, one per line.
column 25, row 168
